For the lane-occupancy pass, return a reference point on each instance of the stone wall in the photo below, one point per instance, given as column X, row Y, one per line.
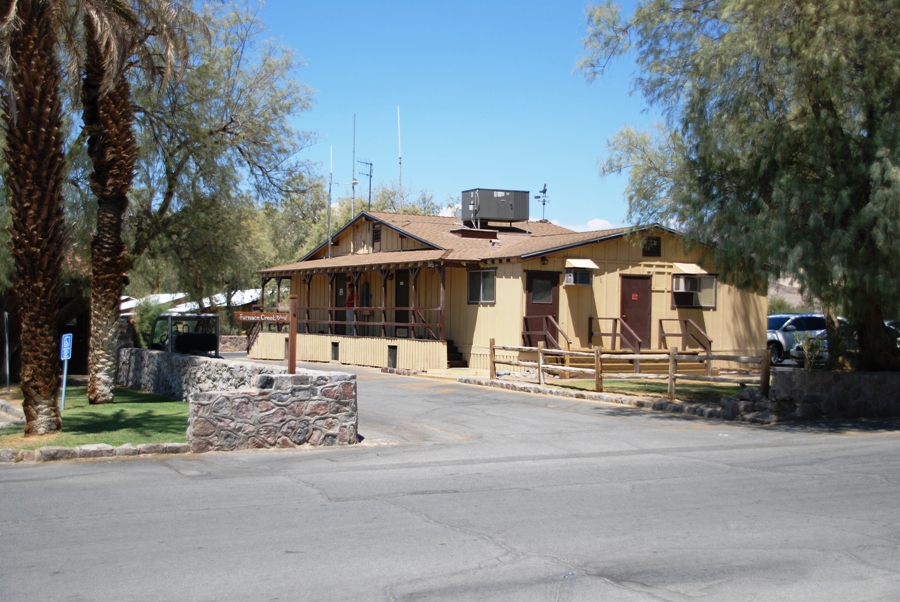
column 176, row 376
column 819, row 394
column 228, row 342
column 285, row 410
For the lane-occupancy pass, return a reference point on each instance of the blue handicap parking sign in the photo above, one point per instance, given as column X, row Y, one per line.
column 65, row 350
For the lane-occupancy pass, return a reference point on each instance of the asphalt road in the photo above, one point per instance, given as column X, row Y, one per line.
column 467, row 493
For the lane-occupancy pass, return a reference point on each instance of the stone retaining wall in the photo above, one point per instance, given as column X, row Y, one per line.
column 819, row 394
column 176, row 376
column 228, row 342
column 285, row 410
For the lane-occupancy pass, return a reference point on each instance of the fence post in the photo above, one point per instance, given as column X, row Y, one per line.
column 292, row 337
column 764, row 371
column 541, row 363
column 709, row 359
column 672, row 365
column 493, row 361
column 568, row 362
column 598, row 370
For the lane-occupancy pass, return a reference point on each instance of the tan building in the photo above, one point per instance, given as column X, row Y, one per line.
column 431, row 293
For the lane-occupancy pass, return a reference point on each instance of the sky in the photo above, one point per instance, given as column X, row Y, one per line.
column 488, row 98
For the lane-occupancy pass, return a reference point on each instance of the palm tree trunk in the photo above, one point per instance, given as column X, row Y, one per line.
column 36, row 168
column 108, row 119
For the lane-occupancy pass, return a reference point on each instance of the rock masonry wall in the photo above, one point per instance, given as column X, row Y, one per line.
column 177, row 376
column 285, row 410
column 819, row 394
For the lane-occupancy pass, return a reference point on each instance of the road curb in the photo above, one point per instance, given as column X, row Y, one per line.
column 89, row 452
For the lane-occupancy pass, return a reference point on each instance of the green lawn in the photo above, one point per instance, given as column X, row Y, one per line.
column 689, row 392
column 134, row 418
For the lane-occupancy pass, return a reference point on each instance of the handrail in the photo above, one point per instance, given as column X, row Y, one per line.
column 426, row 325
column 617, row 335
column 545, row 333
column 253, row 335
column 685, row 333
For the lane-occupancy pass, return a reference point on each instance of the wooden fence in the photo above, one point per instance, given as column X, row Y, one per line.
column 597, row 371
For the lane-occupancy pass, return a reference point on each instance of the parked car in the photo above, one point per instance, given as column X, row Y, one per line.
column 783, row 330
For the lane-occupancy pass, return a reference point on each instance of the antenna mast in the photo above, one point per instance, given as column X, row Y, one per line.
column 369, row 175
column 353, row 180
column 400, row 156
column 330, row 182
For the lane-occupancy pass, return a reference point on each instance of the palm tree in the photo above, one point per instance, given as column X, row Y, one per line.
column 155, row 30
column 35, row 168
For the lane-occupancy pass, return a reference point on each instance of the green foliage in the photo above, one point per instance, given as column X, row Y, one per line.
column 811, row 346
column 784, row 130
column 780, row 305
column 144, row 316
column 218, row 160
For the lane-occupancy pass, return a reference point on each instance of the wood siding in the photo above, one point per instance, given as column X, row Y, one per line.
column 357, row 351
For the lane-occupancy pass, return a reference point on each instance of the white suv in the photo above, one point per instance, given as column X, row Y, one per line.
column 783, row 328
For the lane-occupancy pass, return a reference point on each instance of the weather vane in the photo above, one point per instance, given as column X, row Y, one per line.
column 541, row 197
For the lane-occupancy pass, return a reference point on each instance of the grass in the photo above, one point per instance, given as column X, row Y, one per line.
column 689, row 392
column 134, row 417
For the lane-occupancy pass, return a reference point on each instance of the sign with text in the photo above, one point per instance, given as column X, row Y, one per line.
column 65, row 349
column 256, row 316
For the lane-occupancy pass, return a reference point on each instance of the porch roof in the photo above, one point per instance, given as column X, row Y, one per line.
column 364, row 262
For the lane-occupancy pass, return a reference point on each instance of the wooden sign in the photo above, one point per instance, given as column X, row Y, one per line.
column 259, row 316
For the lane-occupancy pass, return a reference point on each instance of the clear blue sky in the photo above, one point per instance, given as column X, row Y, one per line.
column 487, row 93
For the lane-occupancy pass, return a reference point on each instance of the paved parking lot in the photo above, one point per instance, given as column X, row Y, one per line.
column 461, row 492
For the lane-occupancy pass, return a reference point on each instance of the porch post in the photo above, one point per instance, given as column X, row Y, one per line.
column 292, row 337
column 307, row 280
column 443, row 336
column 355, row 275
column 384, row 275
column 413, row 276
column 330, row 302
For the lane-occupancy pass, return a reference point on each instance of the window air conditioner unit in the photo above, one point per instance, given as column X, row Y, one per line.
column 570, row 277
column 687, row 285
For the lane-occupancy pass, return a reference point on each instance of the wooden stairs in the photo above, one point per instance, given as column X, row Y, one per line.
column 454, row 357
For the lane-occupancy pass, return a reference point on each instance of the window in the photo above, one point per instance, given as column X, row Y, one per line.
column 482, row 286
column 376, row 238
column 578, row 276
column 694, row 291
column 653, row 246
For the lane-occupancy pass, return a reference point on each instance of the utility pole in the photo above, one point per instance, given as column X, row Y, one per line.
column 353, row 180
column 400, row 157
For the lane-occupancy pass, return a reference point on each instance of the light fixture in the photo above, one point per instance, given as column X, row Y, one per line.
column 544, row 261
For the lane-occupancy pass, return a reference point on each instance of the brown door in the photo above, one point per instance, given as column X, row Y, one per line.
column 340, row 296
column 401, row 299
column 541, row 303
column 636, row 308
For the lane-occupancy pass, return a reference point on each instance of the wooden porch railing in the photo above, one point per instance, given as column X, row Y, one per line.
column 620, row 331
column 672, row 358
column 311, row 318
column 543, row 331
column 688, row 331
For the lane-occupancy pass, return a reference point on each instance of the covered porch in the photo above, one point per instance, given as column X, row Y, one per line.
column 395, row 316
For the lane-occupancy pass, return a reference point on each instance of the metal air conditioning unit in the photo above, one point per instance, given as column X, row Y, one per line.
column 481, row 204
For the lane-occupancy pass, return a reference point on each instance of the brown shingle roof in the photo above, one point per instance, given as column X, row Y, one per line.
column 540, row 238
column 349, row 261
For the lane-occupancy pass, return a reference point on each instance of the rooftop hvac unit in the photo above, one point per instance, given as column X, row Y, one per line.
column 495, row 205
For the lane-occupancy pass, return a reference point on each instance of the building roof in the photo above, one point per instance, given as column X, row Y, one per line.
column 448, row 242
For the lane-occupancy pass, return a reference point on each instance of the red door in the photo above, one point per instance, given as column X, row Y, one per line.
column 635, row 307
column 541, row 303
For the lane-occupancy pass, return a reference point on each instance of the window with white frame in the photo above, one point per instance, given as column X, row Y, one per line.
column 692, row 290
column 483, row 286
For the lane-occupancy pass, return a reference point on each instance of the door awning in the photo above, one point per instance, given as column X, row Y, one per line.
column 584, row 264
column 688, row 268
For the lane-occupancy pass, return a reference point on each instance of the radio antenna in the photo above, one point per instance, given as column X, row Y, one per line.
column 368, row 175
column 400, row 156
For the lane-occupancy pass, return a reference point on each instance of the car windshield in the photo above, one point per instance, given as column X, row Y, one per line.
column 776, row 322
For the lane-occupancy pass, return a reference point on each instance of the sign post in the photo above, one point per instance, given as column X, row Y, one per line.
column 65, row 354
